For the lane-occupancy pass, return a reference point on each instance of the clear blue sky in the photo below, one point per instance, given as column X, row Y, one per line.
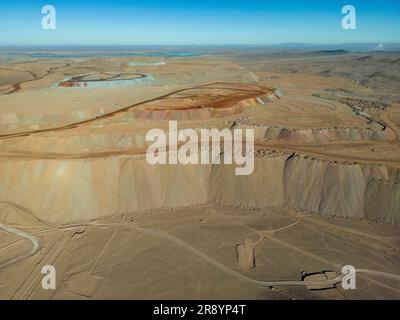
column 185, row 22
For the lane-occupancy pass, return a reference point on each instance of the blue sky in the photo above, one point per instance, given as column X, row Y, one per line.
column 167, row 22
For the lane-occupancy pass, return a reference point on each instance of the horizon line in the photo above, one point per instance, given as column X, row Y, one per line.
column 206, row 44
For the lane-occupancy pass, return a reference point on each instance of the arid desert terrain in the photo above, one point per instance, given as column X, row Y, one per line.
column 77, row 193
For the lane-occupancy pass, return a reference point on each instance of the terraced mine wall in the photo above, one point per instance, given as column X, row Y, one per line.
column 83, row 189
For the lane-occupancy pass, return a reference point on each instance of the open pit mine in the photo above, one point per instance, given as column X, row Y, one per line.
column 77, row 193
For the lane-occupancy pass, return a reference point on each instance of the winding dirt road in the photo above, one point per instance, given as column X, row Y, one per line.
column 253, row 93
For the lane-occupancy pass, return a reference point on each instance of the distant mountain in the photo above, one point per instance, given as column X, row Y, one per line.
column 327, row 52
column 354, row 47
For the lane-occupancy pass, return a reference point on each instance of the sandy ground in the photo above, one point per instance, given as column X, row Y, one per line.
column 115, row 258
column 325, row 191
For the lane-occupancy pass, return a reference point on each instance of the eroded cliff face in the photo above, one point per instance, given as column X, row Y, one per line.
column 314, row 186
column 72, row 190
column 263, row 188
column 382, row 201
column 336, row 189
